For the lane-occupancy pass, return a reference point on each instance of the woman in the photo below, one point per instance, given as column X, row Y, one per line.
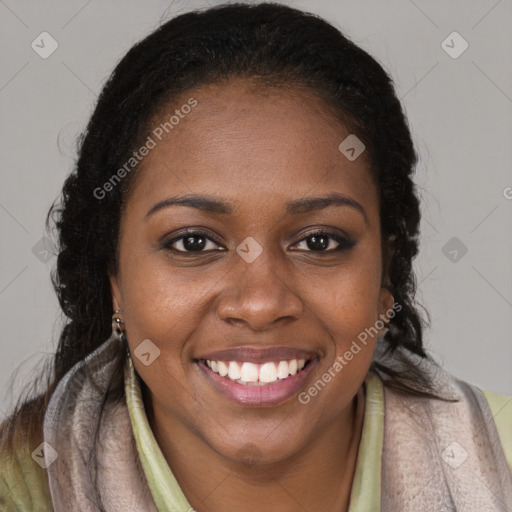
column 236, row 247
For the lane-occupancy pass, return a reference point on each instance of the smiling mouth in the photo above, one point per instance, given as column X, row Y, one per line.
column 258, row 376
column 253, row 374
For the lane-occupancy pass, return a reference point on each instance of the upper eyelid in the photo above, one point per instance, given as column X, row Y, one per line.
column 175, row 239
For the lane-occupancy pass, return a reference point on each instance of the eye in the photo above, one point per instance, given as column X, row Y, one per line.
column 323, row 241
column 192, row 242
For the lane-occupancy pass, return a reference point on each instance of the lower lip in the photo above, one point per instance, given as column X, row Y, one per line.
column 268, row 394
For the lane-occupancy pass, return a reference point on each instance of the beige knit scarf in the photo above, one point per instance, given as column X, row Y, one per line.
column 437, row 456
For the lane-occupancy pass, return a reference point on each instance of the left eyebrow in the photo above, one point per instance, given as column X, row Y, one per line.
column 295, row 207
column 311, row 204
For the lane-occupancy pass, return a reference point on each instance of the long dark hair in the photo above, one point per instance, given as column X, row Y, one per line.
column 270, row 44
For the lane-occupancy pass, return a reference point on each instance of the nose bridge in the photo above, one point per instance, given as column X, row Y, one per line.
column 258, row 292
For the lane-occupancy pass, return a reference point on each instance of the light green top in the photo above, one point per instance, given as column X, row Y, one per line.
column 24, row 486
column 365, row 494
column 501, row 407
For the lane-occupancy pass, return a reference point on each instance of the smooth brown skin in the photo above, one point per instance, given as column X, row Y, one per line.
column 256, row 148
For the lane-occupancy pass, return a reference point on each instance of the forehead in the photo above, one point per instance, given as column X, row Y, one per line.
column 250, row 143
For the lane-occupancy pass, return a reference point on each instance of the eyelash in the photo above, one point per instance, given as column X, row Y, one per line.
column 344, row 243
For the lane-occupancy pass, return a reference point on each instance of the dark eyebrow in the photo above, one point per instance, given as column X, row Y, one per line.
column 204, row 203
column 311, row 204
column 295, row 207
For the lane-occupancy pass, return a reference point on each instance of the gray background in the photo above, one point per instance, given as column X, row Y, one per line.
column 460, row 115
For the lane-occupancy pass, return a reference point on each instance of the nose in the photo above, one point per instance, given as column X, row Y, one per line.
column 258, row 294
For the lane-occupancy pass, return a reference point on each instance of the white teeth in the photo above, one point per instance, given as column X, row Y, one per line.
column 249, row 372
column 282, row 369
column 268, row 372
column 233, row 370
column 256, row 374
column 223, row 369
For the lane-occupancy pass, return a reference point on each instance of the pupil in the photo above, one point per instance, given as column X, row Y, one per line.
column 189, row 244
column 318, row 242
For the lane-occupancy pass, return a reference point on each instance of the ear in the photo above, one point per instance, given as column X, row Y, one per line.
column 386, row 301
column 117, row 295
column 386, row 311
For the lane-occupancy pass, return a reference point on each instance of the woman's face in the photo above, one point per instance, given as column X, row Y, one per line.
column 253, row 284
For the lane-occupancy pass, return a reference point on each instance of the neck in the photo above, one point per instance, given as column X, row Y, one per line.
column 317, row 478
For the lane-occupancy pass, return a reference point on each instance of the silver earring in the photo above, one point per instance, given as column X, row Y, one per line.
column 118, row 324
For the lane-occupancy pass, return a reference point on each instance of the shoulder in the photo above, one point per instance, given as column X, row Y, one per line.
column 498, row 412
column 501, row 408
column 23, row 478
column 457, row 405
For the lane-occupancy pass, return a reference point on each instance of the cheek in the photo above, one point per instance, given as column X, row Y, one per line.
column 348, row 309
column 163, row 308
column 162, row 303
column 348, row 302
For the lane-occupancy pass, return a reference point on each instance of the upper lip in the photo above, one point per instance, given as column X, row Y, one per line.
column 259, row 354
